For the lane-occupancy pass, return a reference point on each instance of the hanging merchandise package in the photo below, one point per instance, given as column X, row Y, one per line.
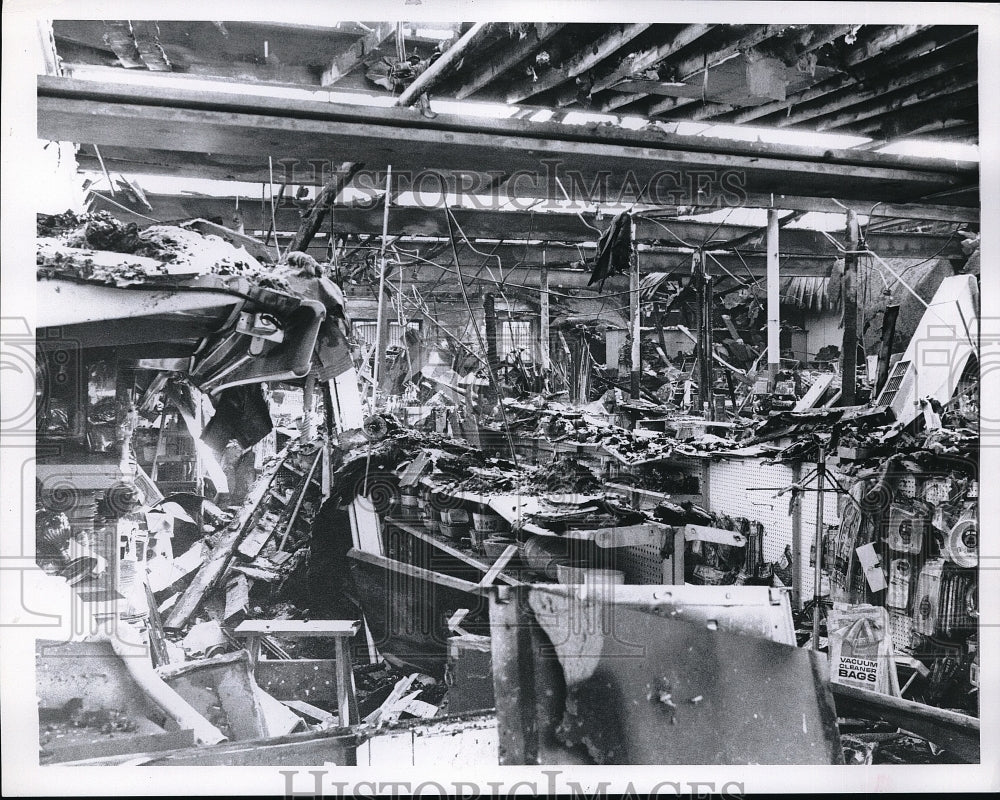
column 861, row 652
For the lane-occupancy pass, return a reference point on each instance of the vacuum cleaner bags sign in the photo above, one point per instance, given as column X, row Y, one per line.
column 861, row 648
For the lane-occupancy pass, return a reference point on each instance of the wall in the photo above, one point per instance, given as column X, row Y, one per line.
column 822, row 329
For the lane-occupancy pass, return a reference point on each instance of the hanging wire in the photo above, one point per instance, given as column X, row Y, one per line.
column 482, row 344
column 129, row 210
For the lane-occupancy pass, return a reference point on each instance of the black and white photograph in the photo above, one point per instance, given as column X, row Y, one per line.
column 428, row 398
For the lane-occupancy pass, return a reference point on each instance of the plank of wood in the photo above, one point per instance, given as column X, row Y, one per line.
column 302, row 496
column 509, row 57
column 104, row 748
column 257, row 573
column 237, row 597
column 439, row 69
column 955, row 732
column 254, row 542
column 311, row 711
column 358, row 53
column 444, row 547
column 212, row 570
column 157, row 640
column 587, row 58
column 514, row 225
column 642, row 60
column 96, row 114
column 401, row 687
column 402, row 568
column 294, row 628
column 816, row 391
column 509, row 552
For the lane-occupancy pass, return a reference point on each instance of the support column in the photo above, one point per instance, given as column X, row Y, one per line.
column 635, row 317
column 885, row 349
column 381, row 325
column 773, row 300
column 543, row 334
column 818, row 576
column 490, row 320
column 849, row 356
column 706, row 394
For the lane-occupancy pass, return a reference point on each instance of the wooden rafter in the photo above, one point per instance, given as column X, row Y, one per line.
column 588, row 58
column 935, row 114
column 903, row 54
column 509, row 57
column 638, row 62
column 511, row 225
column 931, row 69
column 449, row 60
column 356, row 54
column 692, row 65
column 805, row 42
column 943, row 88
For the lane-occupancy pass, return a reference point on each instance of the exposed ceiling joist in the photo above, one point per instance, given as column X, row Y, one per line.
column 565, row 261
column 589, row 58
column 698, row 63
column 938, row 114
column 804, row 42
column 449, row 60
column 356, row 54
column 638, row 62
column 904, row 55
column 932, row 67
column 497, row 64
column 944, row 89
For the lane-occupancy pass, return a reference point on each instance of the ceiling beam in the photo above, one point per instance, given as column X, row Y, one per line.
column 357, row 53
column 883, row 38
column 936, row 114
column 667, row 168
column 693, row 65
column 877, row 66
column 449, row 60
column 870, row 88
column 805, row 41
column 638, row 62
column 510, row 57
column 944, row 88
column 565, row 261
column 523, row 226
column 588, row 58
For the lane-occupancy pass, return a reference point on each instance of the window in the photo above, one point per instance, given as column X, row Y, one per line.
column 514, row 335
column 364, row 331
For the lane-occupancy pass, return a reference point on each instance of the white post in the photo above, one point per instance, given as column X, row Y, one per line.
column 544, row 332
column 380, row 318
column 773, row 299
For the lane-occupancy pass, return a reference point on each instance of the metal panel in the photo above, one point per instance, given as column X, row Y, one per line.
column 657, row 675
column 641, row 564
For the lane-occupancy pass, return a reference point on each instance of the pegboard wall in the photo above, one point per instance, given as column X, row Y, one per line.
column 901, row 628
column 748, row 487
column 642, row 564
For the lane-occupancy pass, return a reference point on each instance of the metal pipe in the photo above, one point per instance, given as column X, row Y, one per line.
column 818, row 579
column 635, row 314
column 849, row 356
column 773, row 298
column 380, row 318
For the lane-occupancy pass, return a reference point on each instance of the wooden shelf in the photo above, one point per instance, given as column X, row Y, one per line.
column 420, row 532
